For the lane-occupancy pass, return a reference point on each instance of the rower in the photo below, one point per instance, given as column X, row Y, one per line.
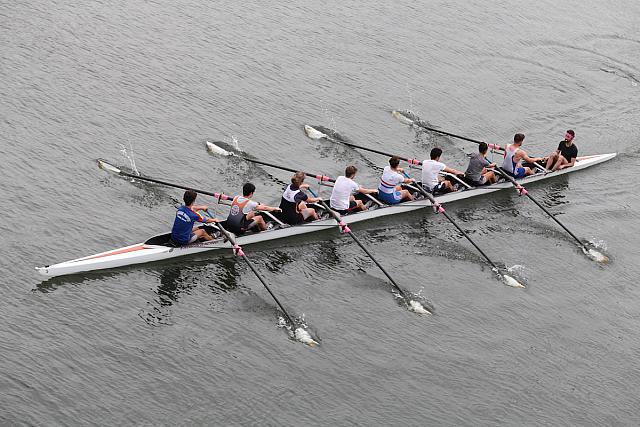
column 389, row 190
column 566, row 154
column 342, row 199
column 294, row 202
column 184, row 230
column 477, row 173
column 514, row 155
column 243, row 215
column 432, row 181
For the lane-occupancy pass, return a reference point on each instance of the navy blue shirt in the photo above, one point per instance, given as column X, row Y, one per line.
column 183, row 224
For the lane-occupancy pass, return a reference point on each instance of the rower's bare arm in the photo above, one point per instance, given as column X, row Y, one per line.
column 452, row 171
column 199, row 207
column 528, row 159
column 267, row 208
column 363, row 190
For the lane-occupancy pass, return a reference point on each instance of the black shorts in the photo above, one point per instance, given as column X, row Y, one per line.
column 293, row 219
column 352, row 206
column 440, row 189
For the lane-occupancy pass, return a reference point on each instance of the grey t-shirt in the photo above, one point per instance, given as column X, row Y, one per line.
column 477, row 162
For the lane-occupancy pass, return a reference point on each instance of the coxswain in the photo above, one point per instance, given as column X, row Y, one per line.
column 184, row 229
column 390, row 190
column 432, row 181
column 342, row 197
column 477, row 173
column 566, row 154
column 243, row 215
column 294, row 201
column 514, row 155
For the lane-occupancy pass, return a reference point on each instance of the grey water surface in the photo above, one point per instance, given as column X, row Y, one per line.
column 196, row 341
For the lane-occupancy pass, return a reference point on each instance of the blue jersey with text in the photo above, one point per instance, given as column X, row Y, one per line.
column 183, row 224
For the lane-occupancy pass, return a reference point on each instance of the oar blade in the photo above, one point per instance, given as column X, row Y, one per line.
column 104, row 165
column 216, row 149
column 596, row 255
column 511, row 281
column 418, row 308
column 402, row 117
column 313, row 133
column 304, row 337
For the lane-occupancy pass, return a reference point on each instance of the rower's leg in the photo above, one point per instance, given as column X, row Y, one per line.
column 550, row 160
column 405, row 195
column 490, row 177
column 201, row 234
column 309, row 213
column 561, row 161
column 260, row 224
column 449, row 186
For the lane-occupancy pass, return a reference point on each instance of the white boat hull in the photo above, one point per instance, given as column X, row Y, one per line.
column 143, row 253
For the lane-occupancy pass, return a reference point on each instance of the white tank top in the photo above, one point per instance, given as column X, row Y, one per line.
column 508, row 163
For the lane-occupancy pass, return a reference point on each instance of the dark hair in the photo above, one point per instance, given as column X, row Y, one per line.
column 248, row 188
column 518, row 137
column 394, row 162
column 435, row 153
column 571, row 132
column 350, row 171
column 482, row 147
column 189, row 197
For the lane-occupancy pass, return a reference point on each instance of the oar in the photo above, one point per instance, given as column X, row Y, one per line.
column 416, row 121
column 507, row 279
column 594, row 254
column 316, row 134
column 103, row 164
column 597, row 256
column 299, row 332
column 437, row 208
column 213, row 148
column 413, row 305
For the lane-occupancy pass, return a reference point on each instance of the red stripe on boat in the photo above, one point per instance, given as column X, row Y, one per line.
column 117, row 252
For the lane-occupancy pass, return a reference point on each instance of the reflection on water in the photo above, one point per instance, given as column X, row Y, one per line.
column 177, row 280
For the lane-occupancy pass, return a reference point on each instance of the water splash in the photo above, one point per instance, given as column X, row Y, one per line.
column 300, row 333
column 597, row 251
column 511, row 279
column 128, row 155
column 414, row 302
column 234, row 142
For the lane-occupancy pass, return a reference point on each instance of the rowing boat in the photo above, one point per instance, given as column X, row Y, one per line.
column 159, row 248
